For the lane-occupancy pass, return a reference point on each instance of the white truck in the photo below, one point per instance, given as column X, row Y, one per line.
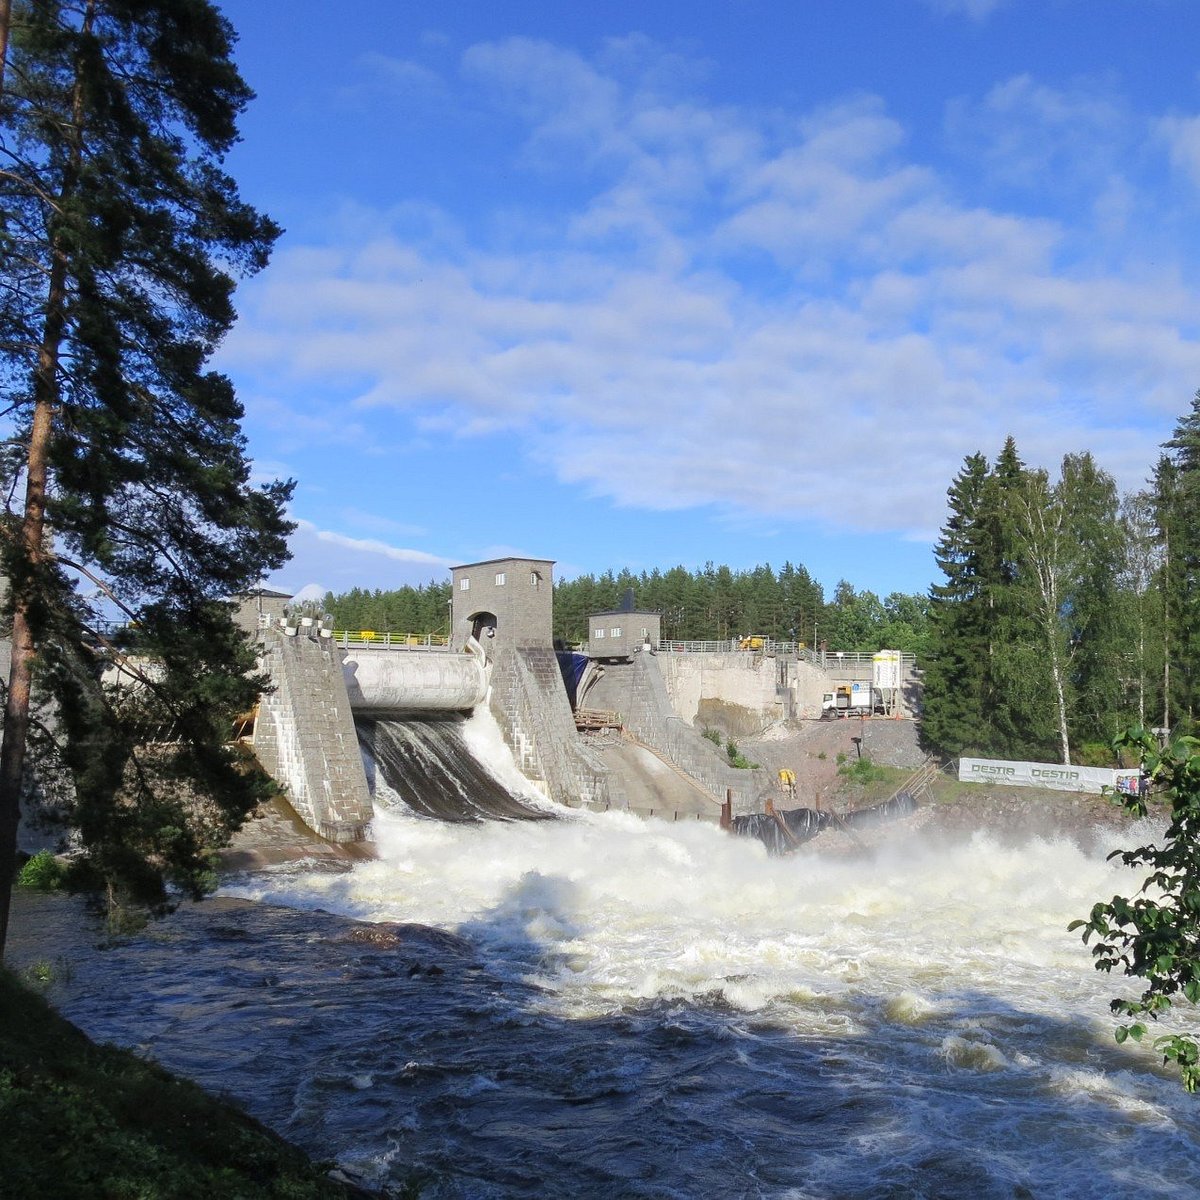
column 852, row 700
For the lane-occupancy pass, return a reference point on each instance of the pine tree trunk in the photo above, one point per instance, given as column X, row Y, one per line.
column 31, row 536
column 5, row 23
column 24, row 649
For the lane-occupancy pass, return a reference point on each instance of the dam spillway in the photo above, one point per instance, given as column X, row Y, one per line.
column 305, row 736
column 428, row 762
column 393, row 682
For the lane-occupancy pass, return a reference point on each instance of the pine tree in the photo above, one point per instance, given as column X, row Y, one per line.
column 120, row 236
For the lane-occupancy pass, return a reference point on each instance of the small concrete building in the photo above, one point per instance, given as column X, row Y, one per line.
column 259, row 607
column 622, row 632
column 503, row 602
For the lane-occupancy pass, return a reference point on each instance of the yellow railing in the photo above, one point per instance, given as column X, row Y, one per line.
column 386, row 640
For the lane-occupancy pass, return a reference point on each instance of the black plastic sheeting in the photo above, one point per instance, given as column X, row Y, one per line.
column 785, row 829
column 572, row 666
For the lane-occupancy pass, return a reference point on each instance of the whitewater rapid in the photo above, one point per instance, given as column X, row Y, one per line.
column 937, row 980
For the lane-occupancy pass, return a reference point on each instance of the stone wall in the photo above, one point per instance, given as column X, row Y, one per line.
column 530, row 704
column 518, row 592
column 255, row 610
column 305, row 739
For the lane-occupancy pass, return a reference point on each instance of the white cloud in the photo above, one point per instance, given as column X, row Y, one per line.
column 326, row 561
column 744, row 312
column 1048, row 141
column 1182, row 135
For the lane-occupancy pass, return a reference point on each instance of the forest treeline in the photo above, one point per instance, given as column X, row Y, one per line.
column 711, row 603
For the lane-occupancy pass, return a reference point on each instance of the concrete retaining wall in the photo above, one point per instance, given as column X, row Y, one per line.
column 736, row 692
column 638, row 691
column 742, row 693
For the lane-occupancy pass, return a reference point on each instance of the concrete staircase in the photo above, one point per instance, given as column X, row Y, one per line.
column 638, row 691
column 530, row 703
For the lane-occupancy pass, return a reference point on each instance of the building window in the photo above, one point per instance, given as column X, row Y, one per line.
column 615, row 631
column 535, row 579
column 500, row 578
column 599, row 633
column 464, row 585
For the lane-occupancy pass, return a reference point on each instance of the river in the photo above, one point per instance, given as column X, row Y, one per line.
column 606, row 1007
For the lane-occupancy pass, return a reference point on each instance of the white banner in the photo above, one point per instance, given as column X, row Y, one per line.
column 1046, row 775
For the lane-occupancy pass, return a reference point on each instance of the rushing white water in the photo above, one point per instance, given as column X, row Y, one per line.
column 601, row 909
column 941, row 976
column 599, row 1006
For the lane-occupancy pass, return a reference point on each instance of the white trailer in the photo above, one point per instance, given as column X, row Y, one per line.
column 852, row 700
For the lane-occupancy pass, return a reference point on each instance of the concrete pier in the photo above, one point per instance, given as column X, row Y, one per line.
column 304, row 735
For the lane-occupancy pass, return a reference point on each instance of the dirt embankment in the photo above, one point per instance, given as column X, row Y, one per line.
column 817, row 751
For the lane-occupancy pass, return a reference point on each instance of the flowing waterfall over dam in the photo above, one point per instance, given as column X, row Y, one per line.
column 306, row 737
column 340, row 722
column 429, row 762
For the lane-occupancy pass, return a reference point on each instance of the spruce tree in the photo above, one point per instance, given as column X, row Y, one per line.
column 1141, row 599
column 956, row 669
column 120, row 240
column 1177, row 494
column 1012, row 703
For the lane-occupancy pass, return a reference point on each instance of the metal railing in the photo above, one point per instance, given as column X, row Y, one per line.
column 754, row 645
column 372, row 639
column 827, row 660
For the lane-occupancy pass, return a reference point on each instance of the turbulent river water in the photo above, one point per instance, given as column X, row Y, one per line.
column 600, row 1006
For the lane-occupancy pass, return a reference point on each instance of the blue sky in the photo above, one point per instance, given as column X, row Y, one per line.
column 635, row 285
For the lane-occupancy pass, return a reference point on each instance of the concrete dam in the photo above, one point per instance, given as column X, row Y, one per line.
column 340, row 719
column 338, row 723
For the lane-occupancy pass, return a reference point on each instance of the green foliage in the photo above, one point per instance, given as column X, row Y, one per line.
column 737, row 758
column 956, row 666
column 39, row 975
column 709, row 604
column 1155, row 936
column 1096, row 754
column 1176, row 502
column 1029, row 647
column 413, row 610
column 79, row 1121
column 713, row 736
column 42, row 873
column 1067, row 613
column 863, row 770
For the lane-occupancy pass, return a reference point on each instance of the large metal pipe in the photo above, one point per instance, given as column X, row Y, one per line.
column 384, row 681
